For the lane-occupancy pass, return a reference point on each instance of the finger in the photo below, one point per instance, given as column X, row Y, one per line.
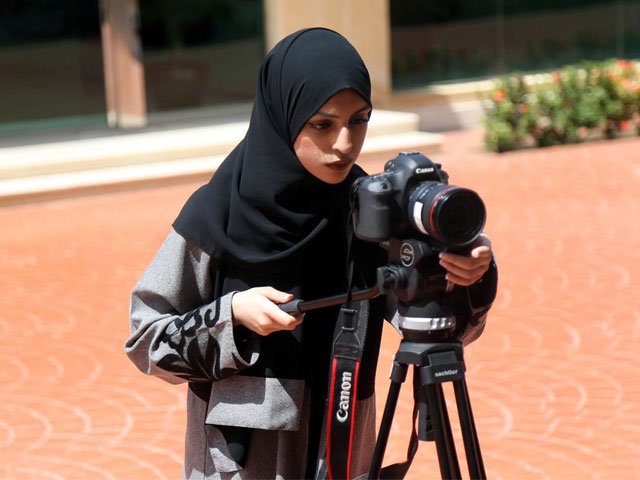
column 475, row 271
column 281, row 318
column 291, row 325
column 274, row 295
column 462, row 281
column 270, row 323
column 467, row 263
column 278, row 325
column 483, row 251
column 478, row 251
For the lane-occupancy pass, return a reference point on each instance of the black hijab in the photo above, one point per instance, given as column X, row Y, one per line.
column 262, row 206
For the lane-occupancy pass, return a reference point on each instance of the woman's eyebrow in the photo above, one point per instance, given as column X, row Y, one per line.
column 333, row 115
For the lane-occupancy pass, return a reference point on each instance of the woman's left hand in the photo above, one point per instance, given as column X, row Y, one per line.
column 467, row 270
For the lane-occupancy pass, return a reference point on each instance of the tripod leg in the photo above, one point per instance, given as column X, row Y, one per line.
column 451, row 446
column 445, row 446
column 469, row 432
column 398, row 375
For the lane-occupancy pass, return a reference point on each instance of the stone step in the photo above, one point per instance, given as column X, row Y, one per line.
column 125, row 150
column 64, row 168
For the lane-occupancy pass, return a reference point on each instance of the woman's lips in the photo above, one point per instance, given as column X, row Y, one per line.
column 339, row 166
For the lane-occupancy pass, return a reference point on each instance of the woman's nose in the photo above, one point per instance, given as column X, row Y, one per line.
column 343, row 143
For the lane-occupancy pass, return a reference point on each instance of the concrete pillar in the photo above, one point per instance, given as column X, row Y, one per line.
column 123, row 69
column 365, row 23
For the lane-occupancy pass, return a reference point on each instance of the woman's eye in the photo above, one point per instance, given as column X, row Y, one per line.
column 319, row 125
column 360, row 120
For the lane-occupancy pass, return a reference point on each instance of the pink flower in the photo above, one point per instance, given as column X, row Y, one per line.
column 499, row 95
column 624, row 64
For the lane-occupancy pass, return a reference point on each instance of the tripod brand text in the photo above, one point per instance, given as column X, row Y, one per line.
column 445, row 373
column 345, row 395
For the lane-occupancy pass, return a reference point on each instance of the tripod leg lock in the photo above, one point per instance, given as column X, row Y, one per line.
column 398, row 372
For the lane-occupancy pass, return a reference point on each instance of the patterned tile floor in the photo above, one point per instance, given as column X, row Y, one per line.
column 554, row 381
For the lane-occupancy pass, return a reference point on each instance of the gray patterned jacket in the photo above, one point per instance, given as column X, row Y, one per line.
column 180, row 333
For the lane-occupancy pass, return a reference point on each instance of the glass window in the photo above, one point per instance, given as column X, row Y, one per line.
column 200, row 53
column 51, row 71
column 452, row 40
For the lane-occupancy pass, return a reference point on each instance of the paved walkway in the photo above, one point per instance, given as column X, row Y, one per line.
column 554, row 381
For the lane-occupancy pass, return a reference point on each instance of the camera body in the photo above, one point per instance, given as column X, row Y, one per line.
column 412, row 198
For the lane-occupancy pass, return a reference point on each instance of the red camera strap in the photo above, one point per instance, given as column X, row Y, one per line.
column 347, row 351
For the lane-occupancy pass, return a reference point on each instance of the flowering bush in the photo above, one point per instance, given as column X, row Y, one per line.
column 571, row 105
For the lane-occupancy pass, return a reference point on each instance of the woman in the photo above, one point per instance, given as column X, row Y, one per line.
column 270, row 227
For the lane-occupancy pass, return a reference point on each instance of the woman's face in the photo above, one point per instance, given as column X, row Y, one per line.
column 331, row 140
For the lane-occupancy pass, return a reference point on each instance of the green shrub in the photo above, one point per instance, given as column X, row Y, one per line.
column 574, row 104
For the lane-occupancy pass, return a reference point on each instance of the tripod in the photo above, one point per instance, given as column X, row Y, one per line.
column 437, row 359
column 436, row 363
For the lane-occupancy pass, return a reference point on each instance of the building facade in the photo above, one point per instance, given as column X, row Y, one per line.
column 68, row 64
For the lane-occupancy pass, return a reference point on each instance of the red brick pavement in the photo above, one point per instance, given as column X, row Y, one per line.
column 553, row 381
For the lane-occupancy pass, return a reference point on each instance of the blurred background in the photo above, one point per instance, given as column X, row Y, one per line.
column 129, row 63
column 113, row 112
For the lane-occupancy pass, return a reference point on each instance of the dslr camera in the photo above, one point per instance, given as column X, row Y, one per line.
column 413, row 198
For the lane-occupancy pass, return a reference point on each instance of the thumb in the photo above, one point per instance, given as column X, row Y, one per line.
column 482, row 251
column 274, row 295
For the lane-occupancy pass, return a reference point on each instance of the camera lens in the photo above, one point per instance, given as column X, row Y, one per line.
column 452, row 215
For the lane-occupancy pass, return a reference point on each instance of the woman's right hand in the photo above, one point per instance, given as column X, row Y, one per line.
column 257, row 309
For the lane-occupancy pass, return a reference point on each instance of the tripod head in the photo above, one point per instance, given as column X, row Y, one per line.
column 415, row 278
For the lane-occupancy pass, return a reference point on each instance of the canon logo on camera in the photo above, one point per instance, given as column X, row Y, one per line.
column 407, row 254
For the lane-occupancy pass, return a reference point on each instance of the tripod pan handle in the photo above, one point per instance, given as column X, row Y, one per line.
column 292, row 307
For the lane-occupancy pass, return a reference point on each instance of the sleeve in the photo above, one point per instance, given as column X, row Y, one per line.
column 179, row 332
column 472, row 304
